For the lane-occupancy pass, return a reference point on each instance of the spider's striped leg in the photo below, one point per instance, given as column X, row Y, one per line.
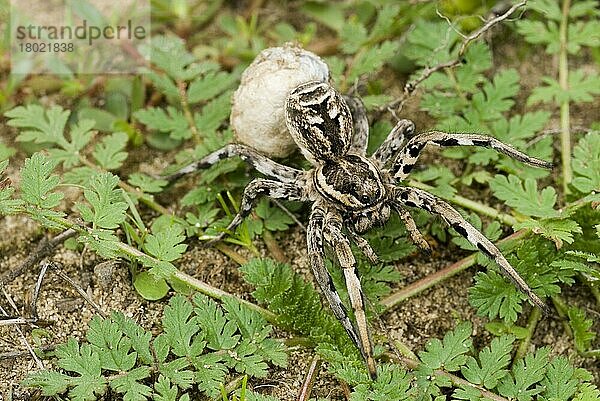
column 393, row 142
column 411, row 227
column 260, row 162
column 315, row 242
column 409, row 154
column 341, row 247
column 256, row 188
column 364, row 246
column 360, row 138
column 414, row 197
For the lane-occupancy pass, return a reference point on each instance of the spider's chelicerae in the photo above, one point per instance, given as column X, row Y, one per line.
column 352, row 192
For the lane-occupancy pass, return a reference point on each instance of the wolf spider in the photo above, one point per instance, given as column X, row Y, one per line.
column 352, row 192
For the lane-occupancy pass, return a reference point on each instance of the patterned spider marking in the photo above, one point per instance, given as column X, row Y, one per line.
column 261, row 163
column 320, row 122
column 353, row 192
column 408, row 156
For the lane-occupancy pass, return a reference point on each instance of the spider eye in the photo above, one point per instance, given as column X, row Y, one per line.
column 364, row 198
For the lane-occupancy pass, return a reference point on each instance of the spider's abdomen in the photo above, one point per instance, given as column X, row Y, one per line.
column 319, row 120
column 351, row 182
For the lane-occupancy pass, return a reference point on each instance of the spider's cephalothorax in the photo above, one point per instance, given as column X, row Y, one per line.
column 352, row 192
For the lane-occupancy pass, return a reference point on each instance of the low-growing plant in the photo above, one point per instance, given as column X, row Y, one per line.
column 233, row 338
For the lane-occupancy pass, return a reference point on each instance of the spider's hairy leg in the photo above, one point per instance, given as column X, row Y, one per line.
column 411, row 227
column 409, row 154
column 341, row 247
column 261, row 163
column 316, row 255
column 414, row 197
column 364, row 246
column 393, row 142
column 256, row 188
column 360, row 138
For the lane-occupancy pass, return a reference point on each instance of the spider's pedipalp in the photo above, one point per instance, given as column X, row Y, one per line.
column 343, row 252
column 260, row 162
column 360, row 138
column 411, row 227
column 393, row 142
column 256, row 188
column 316, row 255
column 414, row 197
column 409, row 154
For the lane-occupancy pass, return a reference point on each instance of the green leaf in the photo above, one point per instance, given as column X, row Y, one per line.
column 170, row 54
column 491, row 364
column 522, row 382
column 524, row 197
column 166, row 243
column 107, row 204
column 47, row 126
column 171, row 121
column 180, row 328
column 586, row 159
column 219, row 332
column 6, row 151
column 556, row 230
column 147, row 184
column 372, row 59
column 393, row 383
column 210, row 85
column 559, row 382
column 210, row 373
column 581, row 329
column 255, row 329
column 51, row 383
column 213, row 114
column 550, row 9
column 587, row 392
column 273, row 217
column 7, row 205
column 86, row 363
column 109, row 152
column 37, row 182
column 494, row 298
column 537, row 32
column 582, row 88
column 164, row 390
column 140, row 339
column 583, row 33
column 448, row 354
column 111, row 345
column 353, row 35
column 496, row 96
column 128, row 384
column 177, row 372
column 150, row 287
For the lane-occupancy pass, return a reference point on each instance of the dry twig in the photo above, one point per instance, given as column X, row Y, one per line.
column 396, row 105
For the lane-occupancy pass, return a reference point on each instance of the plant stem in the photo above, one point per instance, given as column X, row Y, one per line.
column 563, row 80
column 532, row 322
column 187, row 112
column 309, row 379
column 236, row 257
column 427, row 282
column 274, row 247
column 472, row 205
